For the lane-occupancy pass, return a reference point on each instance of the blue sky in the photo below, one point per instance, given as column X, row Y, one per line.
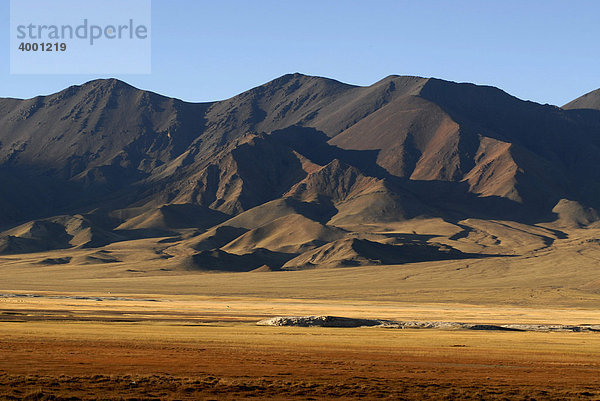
column 547, row 51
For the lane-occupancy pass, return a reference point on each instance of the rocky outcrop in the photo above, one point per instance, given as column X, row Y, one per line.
column 336, row 321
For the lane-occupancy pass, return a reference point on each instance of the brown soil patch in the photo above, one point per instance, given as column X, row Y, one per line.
column 54, row 360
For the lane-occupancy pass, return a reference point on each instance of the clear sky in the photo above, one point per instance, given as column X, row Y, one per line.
column 542, row 50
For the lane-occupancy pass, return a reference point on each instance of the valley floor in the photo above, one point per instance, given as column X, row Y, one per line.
column 138, row 330
column 123, row 346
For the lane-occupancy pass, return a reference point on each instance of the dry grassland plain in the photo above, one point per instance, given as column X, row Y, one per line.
column 130, row 330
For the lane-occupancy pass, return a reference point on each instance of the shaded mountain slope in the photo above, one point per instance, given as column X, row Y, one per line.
column 101, row 123
column 295, row 99
column 500, row 145
column 289, row 234
column 281, row 171
column 55, row 233
column 590, row 100
column 356, row 252
column 91, row 140
column 356, row 197
column 174, row 216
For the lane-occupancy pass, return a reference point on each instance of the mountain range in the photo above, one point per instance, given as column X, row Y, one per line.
column 300, row 172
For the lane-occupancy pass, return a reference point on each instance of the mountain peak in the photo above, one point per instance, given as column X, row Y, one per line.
column 94, row 87
column 297, row 78
column 590, row 100
column 105, row 136
column 108, row 84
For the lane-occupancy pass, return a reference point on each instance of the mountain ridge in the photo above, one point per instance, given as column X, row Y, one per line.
column 590, row 100
column 142, row 165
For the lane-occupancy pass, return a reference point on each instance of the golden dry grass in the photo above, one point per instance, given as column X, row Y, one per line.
column 91, row 360
column 175, row 334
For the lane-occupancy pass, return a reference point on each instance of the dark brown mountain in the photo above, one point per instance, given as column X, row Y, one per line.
column 287, row 167
column 590, row 100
